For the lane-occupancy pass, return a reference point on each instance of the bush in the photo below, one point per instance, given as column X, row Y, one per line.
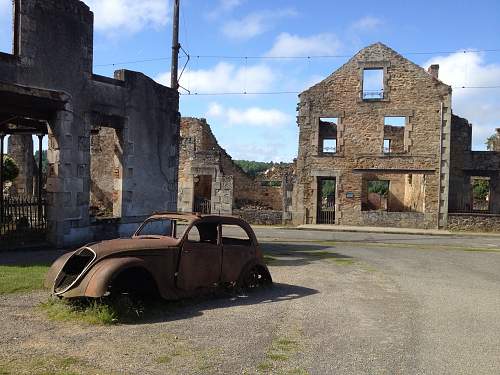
column 10, row 169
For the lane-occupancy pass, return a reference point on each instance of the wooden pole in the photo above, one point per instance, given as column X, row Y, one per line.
column 175, row 47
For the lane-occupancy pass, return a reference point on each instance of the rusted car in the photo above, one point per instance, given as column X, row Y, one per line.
column 173, row 255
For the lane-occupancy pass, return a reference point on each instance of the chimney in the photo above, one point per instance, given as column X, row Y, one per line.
column 434, row 70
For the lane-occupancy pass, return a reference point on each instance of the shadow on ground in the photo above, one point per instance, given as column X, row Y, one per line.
column 156, row 311
column 299, row 254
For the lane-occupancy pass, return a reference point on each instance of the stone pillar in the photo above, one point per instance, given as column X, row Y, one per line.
column 20, row 149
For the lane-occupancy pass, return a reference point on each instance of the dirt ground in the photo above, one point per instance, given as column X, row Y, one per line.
column 343, row 308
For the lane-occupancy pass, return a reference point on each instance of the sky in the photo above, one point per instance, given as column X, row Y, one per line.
column 238, row 46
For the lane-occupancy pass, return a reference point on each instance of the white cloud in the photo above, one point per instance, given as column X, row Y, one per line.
column 479, row 106
column 114, row 16
column 253, row 116
column 224, row 6
column 225, row 77
column 276, row 152
column 254, row 24
column 294, row 45
column 367, row 23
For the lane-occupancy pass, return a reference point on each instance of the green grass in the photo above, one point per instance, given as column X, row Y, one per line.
column 47, row 365
column 93, row 312
column 18, row 279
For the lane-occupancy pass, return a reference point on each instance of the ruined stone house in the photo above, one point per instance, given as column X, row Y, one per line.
column 382, row 126
column 210, row 181
column 112, row 142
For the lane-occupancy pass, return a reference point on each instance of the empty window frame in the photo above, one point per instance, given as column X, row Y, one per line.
column 234, row 235
column 328, row 135
column 387, row 146
column 7, row 28
column 394, row 134
column 373, row 83
column 481, row 193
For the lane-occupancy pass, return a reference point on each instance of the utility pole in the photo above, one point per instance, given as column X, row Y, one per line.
column 175, row 48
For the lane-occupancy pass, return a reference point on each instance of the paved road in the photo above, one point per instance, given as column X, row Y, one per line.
column 349, row 303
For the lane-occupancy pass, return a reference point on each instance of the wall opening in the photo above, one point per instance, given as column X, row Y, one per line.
column 387, row 146
column 397, row 192
column 481, row 192
column 106, row 172
column 373, row 83
column 326, row 200
column 7, row 29
column 394, row 134
column 202, row 194
column 328, row 135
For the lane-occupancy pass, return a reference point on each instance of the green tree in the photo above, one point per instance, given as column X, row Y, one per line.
column 10, row 169
column 481, row 189
column 379, row 187
column 490, row 142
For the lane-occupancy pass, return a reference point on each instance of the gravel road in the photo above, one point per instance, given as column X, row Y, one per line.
column 364, row 304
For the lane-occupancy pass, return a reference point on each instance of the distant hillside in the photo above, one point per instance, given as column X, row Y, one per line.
column 253, row 168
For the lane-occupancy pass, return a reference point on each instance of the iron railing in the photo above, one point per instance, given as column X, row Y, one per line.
column 203, row 206
column 23, row 220
column 326, row 215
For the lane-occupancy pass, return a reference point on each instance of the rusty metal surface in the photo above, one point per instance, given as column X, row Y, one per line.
column 178, row 267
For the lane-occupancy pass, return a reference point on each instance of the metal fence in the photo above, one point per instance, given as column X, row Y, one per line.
column 326, row 215
column 203, row 206
column 23, row 221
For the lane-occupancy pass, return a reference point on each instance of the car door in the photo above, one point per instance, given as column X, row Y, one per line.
column 237, row 250
column 200, row 258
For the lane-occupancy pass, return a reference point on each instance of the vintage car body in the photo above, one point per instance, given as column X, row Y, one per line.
column 205, row 255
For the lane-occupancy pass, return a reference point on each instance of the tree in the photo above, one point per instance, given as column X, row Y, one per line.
column 379, row 187
column 481, row 189
column 490, row 142
column 10, row 169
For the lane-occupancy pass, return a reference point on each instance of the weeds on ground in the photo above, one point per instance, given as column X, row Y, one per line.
column 16, row 279
column 85, row 311
column 47, row 365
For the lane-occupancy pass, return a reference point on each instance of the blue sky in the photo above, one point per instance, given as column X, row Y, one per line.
column 263, row 127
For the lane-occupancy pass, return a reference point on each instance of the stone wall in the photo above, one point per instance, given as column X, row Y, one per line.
column 200, row 154
column 260, row 217
column 410, row 92
column 20, row 149
column 474, row 222
column 50, row 78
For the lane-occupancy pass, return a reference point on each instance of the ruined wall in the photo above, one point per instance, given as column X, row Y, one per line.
column 200, row 154
column 50, row 77
column 409, row 92
column 466, row 164
column 474, row 222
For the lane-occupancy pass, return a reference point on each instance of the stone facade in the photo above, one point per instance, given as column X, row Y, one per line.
column 467, row 165
column 207, row 172
column 420, row 150
column 49, row 78
column 474, row 222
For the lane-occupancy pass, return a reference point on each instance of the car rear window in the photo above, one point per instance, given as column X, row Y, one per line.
column 235, row 235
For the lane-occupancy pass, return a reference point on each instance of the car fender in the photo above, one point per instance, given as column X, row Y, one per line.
column 249, row 265
column 55, row 269
column 97, row 281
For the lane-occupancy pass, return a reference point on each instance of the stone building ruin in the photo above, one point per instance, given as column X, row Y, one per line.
column 112, row 142
column 210, row 181
column 379, row 146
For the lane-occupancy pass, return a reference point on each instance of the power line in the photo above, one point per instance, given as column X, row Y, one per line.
column 234, row 57
column 298, row 92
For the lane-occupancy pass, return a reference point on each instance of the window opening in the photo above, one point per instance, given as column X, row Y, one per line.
column 235, row 235
column 378, row 193
column 106, row 172
column 373, row 83
column 480, row 193
column 7, row 28
column 328, row 135
column 387, row 146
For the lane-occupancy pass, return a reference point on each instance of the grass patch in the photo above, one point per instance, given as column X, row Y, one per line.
column 49, row 365
column 270, row 260
column 17, row 279
column 278, row 353
column 90, row 312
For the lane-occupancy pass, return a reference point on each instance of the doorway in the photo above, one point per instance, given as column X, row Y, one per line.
column 326, row 200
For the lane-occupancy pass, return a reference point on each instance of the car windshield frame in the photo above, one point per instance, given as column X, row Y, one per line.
column 175, row 234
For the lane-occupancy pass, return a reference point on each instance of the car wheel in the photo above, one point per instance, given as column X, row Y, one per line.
column 255, row 277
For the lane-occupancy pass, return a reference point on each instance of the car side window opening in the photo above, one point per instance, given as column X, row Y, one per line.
column 235, row 235
column 203, row 233
column 164, row 227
